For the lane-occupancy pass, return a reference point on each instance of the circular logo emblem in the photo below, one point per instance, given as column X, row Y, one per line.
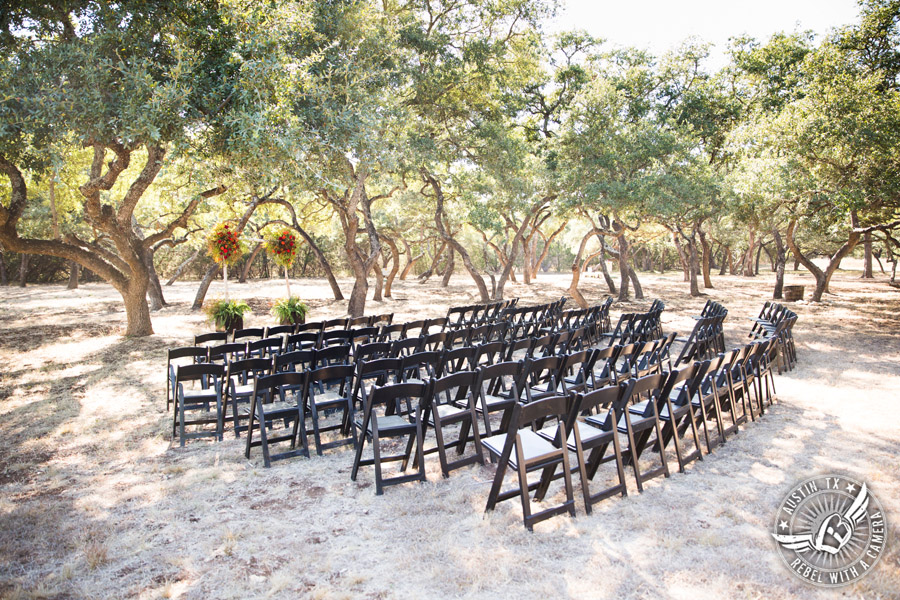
column 830, row 530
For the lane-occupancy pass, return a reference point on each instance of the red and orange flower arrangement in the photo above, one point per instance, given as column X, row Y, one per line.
column 224, row 244
column 283, row 248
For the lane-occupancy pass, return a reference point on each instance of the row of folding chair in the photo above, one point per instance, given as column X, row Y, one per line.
column 530, row 320
column 618, row 422
column 258, row 333
column 473, row 315
column 637, row 327
column 777, row 321
column 706, row 339
column 203, row 392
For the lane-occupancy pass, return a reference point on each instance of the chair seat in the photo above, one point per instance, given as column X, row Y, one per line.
column 273, row 409
column 199, row 395
column 586, row 432
column 447, row 411
column 391, row 424
column 491, row 401
column 637, row 423
column 534, row 447
column 327, row 397
column 242, row 390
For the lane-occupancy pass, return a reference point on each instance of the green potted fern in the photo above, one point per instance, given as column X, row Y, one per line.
column 227, row 315
column 290, row 310
column 282, row 247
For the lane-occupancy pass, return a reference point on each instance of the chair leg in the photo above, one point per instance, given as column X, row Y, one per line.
column 379, row 488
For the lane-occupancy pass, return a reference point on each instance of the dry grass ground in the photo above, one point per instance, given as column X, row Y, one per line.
column 97, row 502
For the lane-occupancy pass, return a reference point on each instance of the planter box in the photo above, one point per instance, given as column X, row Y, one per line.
column 231, row 326
column 793, row 293
column 300, row 321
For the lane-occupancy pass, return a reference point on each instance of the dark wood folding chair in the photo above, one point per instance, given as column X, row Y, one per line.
column 376, row 424
column 638, row 426
column 405, row 346
column 315, row 326
column 413, row 329
column 174, row 358
column 457, row 359
column 275, row 400
column 539, row 378
column 488, row 353
column 372, row 351
column 678, row 413
column 380, row 371
column 198, row 394
column 382, row 320
column 333, row 355
column 433, row 341
column 226, row 353
column 524, row 451
column 496, row 389
column 451, row 401
column 282, row 330
column 305, row 340
column 266, row 347
column 391, row 333
column 339, row 323
column 330, row 388
column 335, row 337
column 517, row 349
column 605, row 373
column 213, row 337
column 240, row 378
column 249, row 334
column 434, row 325
column 592, row 420
column 355, row 322
column 576, row 372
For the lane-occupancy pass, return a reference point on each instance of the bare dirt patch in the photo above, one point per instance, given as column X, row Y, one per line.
column 96, row 501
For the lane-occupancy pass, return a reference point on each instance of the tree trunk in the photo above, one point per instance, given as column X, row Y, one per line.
column 685, row 266
column 694, row 258
column 577, row 267
column 379, row 282
column 638, row 290
column 395, row 266
column 410, row 263
column 546, row 250
column 207, row 280
column 748, row 258
column 183, row 267
column 4, row 277
column 74, row 268
column 154, row 289
column 623, row 264
column 706, row 265
column 610, row 284
column 726, row 260
column 759, row 249
column 823, row 278
column 136, row 309
column 245, row 272
column 445, row 235
column 780, row 260
column 527, row 259
column 23, row 269
column 448, row 269
column 426, row 275
column 867, row 256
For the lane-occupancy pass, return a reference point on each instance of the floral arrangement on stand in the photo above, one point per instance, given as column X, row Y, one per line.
column 282, row 247
column 224, row 245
